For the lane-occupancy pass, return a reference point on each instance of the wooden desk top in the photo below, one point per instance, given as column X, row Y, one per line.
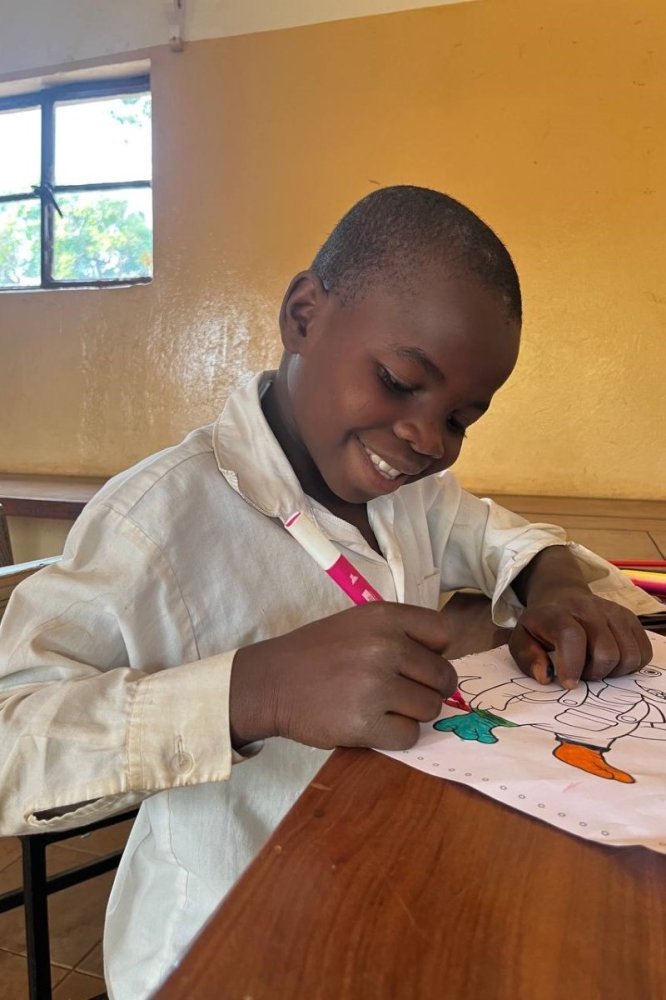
column 62, row 497
column 385, row 883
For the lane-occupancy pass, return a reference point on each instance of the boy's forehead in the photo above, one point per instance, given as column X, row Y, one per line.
column 440, row 288
column 451, row 329
column 439, row 310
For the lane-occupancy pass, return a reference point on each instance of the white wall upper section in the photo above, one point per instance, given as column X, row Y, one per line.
column 35, row 34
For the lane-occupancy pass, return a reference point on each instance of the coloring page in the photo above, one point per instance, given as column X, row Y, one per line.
column 591, row 761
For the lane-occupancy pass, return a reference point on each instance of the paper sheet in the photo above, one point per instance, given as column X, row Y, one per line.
column 591, row 761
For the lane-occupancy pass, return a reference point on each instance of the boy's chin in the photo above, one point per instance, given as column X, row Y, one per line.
column 356, row 495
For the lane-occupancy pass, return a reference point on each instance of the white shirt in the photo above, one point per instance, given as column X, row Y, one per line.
column 115, row 662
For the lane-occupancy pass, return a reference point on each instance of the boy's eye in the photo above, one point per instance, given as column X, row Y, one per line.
column 393, row 384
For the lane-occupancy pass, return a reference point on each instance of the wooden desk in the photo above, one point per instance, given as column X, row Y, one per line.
column 62, row 497
column 384, row 883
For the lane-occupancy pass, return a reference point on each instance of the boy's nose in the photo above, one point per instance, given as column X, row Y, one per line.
column 425, row 437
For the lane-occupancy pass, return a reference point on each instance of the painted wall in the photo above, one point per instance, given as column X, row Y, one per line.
column 37, row 537
column 546, row 118
column 83, row 29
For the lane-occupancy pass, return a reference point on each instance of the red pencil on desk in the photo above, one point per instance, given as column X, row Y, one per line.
column 341, row 571
column 657, row 564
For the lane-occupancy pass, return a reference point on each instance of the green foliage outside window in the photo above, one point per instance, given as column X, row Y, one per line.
column 94, row 196
column 105, row 241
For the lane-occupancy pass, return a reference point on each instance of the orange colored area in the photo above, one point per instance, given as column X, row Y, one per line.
column 590, row 760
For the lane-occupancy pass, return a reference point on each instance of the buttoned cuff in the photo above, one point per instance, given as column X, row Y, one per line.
column 179, row 726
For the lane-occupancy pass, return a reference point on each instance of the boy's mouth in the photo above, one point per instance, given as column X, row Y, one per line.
column 384, row 468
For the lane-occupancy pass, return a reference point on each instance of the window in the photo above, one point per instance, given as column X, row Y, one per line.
column 75, row 186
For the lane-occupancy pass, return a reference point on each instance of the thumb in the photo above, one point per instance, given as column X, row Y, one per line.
column 531, row 657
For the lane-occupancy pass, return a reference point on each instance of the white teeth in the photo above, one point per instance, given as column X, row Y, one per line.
column 387, row 470
column 382, row 466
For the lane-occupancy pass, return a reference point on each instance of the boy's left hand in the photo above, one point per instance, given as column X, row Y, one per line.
column 587, row 637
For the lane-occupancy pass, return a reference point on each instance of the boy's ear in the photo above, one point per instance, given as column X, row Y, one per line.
column 303, row 299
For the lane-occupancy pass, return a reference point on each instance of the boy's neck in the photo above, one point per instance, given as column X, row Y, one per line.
column 357, row 515
column 308, row 474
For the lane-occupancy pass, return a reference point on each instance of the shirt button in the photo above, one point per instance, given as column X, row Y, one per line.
column 182, row 762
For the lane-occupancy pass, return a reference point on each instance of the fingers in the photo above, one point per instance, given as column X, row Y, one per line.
column 596, row 640
column 428, row 669
column 414, row 701
column 555, row 631
column 415, row 696
column 423, row 625
column 398, row 728
column 530, row 655
column 645, row 646
column 616, row 642
column 393, row 732
column 632, row 640
column 603, row 652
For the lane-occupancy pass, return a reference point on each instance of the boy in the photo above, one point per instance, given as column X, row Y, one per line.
column 394, row 343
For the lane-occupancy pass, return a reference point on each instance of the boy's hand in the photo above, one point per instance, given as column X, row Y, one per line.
column 588, row 637
column 363, row 677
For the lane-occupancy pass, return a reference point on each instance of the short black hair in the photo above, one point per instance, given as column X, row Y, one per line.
column 389, row 235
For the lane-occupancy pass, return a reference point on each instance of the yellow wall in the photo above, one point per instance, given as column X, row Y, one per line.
column 37, row 537
column 547, row 118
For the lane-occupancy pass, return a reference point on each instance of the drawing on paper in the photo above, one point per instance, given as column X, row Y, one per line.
column 585, row 722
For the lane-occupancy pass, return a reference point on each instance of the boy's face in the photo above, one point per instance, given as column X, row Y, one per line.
column 379, row 393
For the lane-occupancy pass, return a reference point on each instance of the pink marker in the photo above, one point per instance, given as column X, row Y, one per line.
column 347, row 577
column 324, row 552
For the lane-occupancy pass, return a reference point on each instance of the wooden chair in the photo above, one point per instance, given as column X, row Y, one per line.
column 12, row 575
column 6, row 557
column 37, row 885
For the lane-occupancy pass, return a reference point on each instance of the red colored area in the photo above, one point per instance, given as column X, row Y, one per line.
column 457, row 701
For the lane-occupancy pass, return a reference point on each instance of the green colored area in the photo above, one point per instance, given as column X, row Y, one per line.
column 475, row 725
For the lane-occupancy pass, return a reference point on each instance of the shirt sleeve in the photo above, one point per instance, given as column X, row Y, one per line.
column 103, row 697
column 481, row 545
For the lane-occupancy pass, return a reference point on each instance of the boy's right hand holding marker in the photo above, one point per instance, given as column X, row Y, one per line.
column 364, row 677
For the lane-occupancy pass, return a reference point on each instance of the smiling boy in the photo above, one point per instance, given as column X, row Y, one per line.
column 184, row 625
column 361, row 404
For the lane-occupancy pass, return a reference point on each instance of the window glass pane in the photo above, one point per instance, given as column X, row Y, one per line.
column 19, row 244
column 103, row 236
column 20, row 142
column 103, row 140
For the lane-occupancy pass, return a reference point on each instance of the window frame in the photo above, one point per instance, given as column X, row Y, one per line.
column 46, row 191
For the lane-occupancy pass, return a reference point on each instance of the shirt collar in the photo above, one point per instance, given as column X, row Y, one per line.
column 253, row 463
column 249, row 456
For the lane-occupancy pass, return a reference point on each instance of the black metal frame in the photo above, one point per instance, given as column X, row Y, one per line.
column 46, row 190
column 38, row 886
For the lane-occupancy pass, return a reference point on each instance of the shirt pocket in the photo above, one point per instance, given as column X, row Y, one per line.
column 429, row 589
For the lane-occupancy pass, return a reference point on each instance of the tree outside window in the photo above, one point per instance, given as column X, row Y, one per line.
column 75, row 186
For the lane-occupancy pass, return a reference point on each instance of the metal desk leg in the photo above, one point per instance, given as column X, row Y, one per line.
column 36, row 918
